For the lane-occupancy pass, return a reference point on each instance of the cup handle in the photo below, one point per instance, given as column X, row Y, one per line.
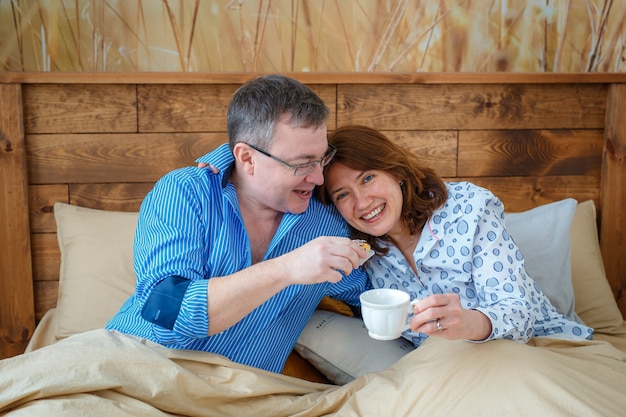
column 411, row 304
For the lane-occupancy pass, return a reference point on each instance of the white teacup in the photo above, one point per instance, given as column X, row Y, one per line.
column 385, row 312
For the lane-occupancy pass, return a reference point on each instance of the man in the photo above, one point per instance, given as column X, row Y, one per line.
column 236, row 263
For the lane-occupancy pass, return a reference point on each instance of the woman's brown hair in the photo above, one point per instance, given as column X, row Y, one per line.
column 362, row 148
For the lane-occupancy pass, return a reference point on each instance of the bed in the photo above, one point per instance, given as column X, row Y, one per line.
column 80, row 151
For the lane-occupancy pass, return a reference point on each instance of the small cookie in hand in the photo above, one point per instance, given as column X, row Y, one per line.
column 367, row 248
column 363, row 244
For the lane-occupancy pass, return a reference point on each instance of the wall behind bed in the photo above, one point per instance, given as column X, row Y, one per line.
column 102, row 140
column 313, row 35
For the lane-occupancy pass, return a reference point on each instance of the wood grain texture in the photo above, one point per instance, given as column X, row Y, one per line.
column 328, row 94
column 436, row 149
column 41, row 203
column 452, row 78
column 197, row 108
column 45, row 297
column 530, row 152
column 17, row 321
column 80, row 108
column 110, row 196
column 472, row 107
column 46, row 252
column 105, row 158
column 523, row 193
column 612, row 208
column 183, row 108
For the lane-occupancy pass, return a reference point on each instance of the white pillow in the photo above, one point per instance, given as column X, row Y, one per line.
column 340, row 347
column 543, row 236
column 96, row 275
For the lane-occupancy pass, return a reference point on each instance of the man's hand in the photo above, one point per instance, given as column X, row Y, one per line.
column 322, row 259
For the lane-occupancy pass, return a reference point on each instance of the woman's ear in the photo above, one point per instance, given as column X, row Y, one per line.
column 244, row 158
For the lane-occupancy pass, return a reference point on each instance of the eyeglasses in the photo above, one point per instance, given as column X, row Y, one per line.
column 302, row 169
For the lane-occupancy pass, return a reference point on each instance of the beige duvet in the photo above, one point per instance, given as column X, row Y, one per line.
column 108, row 374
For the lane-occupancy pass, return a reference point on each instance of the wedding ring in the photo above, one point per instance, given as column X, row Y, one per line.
column 439, row 328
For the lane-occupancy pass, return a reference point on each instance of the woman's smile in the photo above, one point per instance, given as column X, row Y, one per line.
column 374, row 212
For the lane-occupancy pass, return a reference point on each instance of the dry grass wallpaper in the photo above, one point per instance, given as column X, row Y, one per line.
column 313, row 35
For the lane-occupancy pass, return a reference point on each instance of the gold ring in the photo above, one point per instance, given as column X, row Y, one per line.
column 439, row 328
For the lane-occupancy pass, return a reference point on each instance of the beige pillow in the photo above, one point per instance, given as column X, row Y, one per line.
column 595, row 303
column 96, row 275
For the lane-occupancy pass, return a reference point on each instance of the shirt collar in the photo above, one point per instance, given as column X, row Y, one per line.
column 222, row 158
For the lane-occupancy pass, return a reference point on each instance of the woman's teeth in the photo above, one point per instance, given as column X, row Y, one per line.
column 374, row 213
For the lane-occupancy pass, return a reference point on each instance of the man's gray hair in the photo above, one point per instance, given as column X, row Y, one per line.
column 258, row 104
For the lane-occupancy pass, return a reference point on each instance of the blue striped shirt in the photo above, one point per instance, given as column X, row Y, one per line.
column 190, row 227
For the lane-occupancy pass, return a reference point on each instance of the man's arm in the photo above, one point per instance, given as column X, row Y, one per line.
column 232, row 297
column 173, row 244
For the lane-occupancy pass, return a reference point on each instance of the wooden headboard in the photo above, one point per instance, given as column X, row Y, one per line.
column 102, row 140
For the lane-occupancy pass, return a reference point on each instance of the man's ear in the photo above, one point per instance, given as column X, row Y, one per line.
column 244, row 158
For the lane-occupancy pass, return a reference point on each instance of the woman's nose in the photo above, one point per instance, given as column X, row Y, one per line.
column 361, row 200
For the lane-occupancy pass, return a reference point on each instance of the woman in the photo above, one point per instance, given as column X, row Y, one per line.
column 444, row 243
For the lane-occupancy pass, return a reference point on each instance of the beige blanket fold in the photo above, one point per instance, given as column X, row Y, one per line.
column 109, row 374
column 122, row 369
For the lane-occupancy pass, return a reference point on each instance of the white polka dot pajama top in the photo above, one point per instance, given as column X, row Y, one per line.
column 465, row 249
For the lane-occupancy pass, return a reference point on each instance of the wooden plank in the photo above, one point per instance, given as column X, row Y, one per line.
column 524, row 193
column 106, row 158
column 79, row 108
column 436, row 149
column 328, row 94
column 183, row 108
column 311, row 77
column 16, row 288
column 613, row 214
column 112, row 197
column 46, row 256
column 467, row 107
column 197, row 108
column 45, row 297
column 530, row 152
column 41, row 200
